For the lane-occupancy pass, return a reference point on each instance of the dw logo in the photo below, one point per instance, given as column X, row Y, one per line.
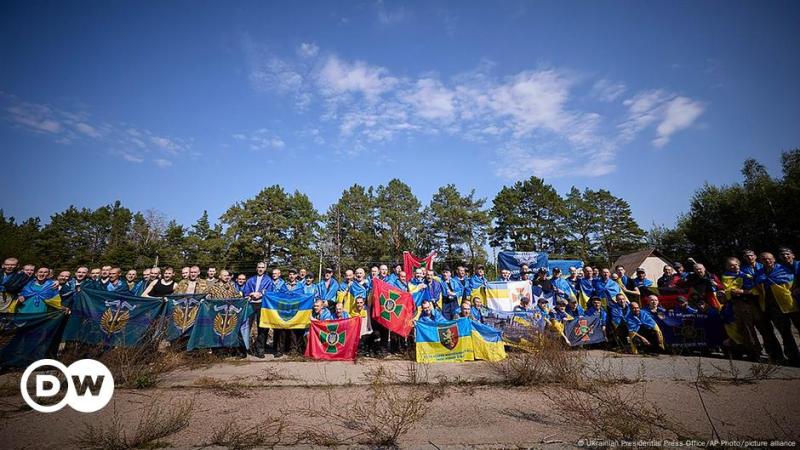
column 89, row 386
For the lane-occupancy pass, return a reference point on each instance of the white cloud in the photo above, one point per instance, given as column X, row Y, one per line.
column 516, row 163
column 607, row 91
column 87, row 129
column 162, row 163
column 432, row 100
column 680, row 113
column 261, row 139
column 541, row 109
column 131, row 158
column 671, row 112
column 68, row 127
column 308, row 50
column 337, row 77
column 533, row 100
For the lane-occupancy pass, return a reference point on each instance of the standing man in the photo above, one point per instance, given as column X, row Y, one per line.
column 670, row 279
column 212, row 277
column 293, row 284
column 130, row 280
column 453, row 292
column 585, row 287
column 38, row 294
column 776, row 302
column 159, row 286
column 477, row 281
column 277, row 281
column 241, row 280
column 115, row 282
column 254, row 289
column 328, row 287
column 192, row 285
column 224, row 287
column 140, row 286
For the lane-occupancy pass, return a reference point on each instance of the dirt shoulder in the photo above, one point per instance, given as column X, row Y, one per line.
column 470, row 405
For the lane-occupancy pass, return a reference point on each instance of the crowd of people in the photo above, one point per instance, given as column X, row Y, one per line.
column 753, row 297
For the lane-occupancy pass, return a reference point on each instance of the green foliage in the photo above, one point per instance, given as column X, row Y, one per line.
column 274, row 226
column 351, row 229
column 457, row 226
column 759, row 214
column 399, row 217
column 528, row 217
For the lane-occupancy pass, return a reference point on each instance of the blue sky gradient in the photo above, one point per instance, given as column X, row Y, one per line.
column 186, row 106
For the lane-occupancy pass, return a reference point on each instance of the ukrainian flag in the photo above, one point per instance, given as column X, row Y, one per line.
column 449, row 341
column 780, row 282
column 487, row 342
column 348, row 301
column 731, row 281
column 285, row 310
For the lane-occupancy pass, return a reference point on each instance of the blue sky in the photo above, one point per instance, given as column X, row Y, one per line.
column 186, row 106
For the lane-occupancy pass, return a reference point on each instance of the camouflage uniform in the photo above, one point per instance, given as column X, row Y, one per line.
column 220, row 290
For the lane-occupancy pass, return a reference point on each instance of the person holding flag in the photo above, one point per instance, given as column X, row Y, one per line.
column 477, row 281
column 606, row 288
column 328, row 287
column 585, row 287
column 254, row 289
column 452, row 293
column 774, row 285
column 38, row 294
column 643, row 329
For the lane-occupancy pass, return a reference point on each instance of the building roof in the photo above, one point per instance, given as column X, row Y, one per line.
column 633, row 261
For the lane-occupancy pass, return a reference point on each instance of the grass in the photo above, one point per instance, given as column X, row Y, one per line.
column 389, row 407
column 233, row 435
column 156, row 422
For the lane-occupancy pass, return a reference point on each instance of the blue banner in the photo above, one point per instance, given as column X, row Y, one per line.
column 180, row 312
column 513, row 260
column 584, row 330
column 516, row 326
column 221, row 323
column 110, row 318
column 27, row 337
column 694, row 330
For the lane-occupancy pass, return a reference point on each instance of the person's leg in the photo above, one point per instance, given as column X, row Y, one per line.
column 763, row 322
column 261, row 342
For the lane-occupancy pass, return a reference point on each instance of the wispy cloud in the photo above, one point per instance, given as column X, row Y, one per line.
column 538, row 118
column 607, row 91
column 261, row 139
column 70, row 127
column 390, row 16
column 670, row 112
column 308, row 49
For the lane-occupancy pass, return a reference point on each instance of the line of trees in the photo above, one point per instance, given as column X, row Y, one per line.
column 376, row 224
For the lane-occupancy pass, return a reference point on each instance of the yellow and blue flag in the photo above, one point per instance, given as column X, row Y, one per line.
column 447, row 341
column 779, row 281
column 487, row 342
column 285, row 310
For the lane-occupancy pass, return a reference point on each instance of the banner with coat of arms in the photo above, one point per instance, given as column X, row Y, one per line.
column 180, row 312
column 221, row 323
column 584, row 330
column 334, row 340
column 110, row 318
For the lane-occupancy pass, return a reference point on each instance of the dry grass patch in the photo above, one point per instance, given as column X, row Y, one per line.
column 542, row 361
column 387, row 409
column 157, row 421
column 267, row 434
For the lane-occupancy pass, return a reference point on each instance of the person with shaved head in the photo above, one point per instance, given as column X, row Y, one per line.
column 192, row 285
